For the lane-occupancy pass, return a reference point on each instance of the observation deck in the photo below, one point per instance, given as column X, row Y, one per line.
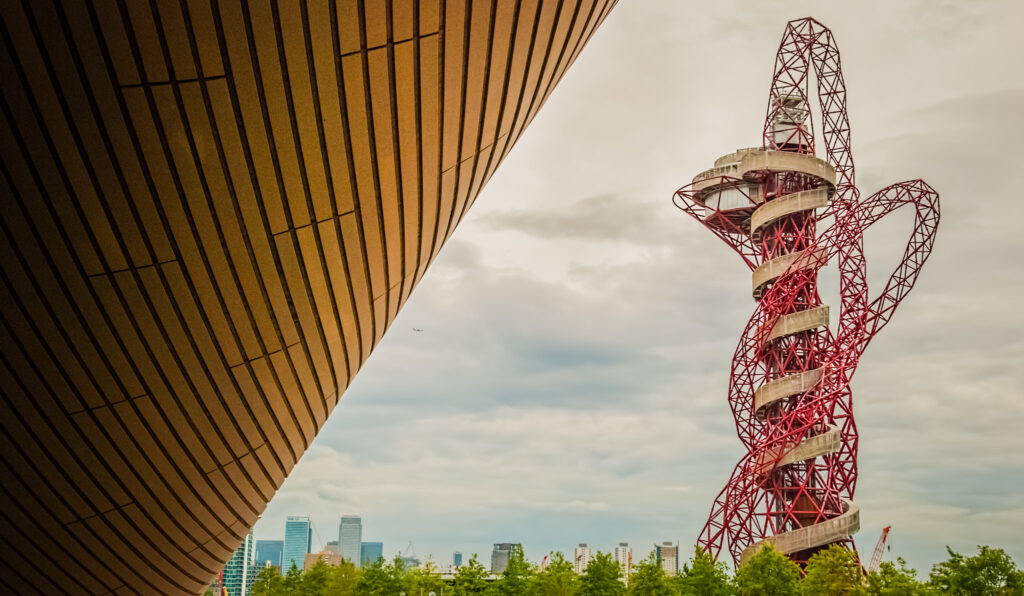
column 733, row 190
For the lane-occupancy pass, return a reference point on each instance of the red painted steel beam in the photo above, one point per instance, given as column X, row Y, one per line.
column 789, row 386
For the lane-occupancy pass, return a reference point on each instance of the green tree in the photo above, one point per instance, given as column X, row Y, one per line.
column 557, row 578
column 423, row 580
column 768, row 573
column 269, row 582
column 292, row 580
column 314, row 579
column 895, row 579
column 833, row 571
column 990, row 572
column 649, row 579
column 703, row 577
column 601, row 577
column 470, row 578
column 517, row 576
column 382, row 578
column 342, row 579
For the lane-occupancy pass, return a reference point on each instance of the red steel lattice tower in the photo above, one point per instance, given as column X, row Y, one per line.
column 788, row 214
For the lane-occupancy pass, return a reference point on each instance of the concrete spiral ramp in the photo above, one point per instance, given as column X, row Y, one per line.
column 826, row 532
column 789, row 384
column 800, row 383
column 740, row 196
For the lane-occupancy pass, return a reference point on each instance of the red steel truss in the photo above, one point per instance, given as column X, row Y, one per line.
column 788, row 214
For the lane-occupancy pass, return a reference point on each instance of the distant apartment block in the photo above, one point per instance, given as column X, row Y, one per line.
column 668, row 556
column 499, row 557
column 581, row 558
column 350, row 537
column 370, row 552
column 269, row 552
column 298, row 538
column 240, row 571
column 624, row 557
column 326, row 555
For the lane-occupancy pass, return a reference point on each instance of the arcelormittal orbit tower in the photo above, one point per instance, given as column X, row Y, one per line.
column 788, row 214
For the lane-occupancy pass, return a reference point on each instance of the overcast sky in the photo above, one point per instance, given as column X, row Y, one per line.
column 570, row 381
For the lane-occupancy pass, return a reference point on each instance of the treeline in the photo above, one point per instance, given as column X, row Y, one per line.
column 834, row 571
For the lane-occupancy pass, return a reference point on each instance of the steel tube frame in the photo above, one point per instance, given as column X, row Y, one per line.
column 770, row 497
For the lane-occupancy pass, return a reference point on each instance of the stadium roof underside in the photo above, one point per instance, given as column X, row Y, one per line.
column 212, row 211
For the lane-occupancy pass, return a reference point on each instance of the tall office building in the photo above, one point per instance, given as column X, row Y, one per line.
column 350, row 537
column 457, row 559
column 581, row 558
column 499, row 557
column 624, row 557
column 668, row 555
column 241, row 571
column 298, row 538
column 334, row 546
column 269, row 551
column 370, row 552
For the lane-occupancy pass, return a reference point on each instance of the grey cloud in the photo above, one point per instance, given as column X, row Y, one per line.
column 608, row 217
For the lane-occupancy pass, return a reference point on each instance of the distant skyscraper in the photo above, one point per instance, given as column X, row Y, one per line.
column 240, row 571
column 457, row 559
column 270, row 551
column 298, row 538
column 624, row 557
column 333, row 546
column 499, row 557
column 350, row 537
column 370, row 552
column 668, row 555
column 581, row 558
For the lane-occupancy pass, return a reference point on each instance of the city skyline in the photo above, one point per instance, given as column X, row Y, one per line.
column 620, row 551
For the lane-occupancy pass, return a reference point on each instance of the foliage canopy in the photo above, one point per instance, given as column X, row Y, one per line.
column 833, row 570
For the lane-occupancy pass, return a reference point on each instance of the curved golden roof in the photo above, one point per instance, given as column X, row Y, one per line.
column 212, row 211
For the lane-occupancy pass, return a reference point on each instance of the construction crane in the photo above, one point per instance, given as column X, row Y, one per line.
column 876, row 558
column 410, row 551
column 221, row 589
column 409, row 556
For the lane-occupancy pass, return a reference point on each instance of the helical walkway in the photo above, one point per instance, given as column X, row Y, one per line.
column 789, row 214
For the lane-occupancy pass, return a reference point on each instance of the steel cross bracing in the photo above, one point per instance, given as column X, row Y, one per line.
column 788, row 214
